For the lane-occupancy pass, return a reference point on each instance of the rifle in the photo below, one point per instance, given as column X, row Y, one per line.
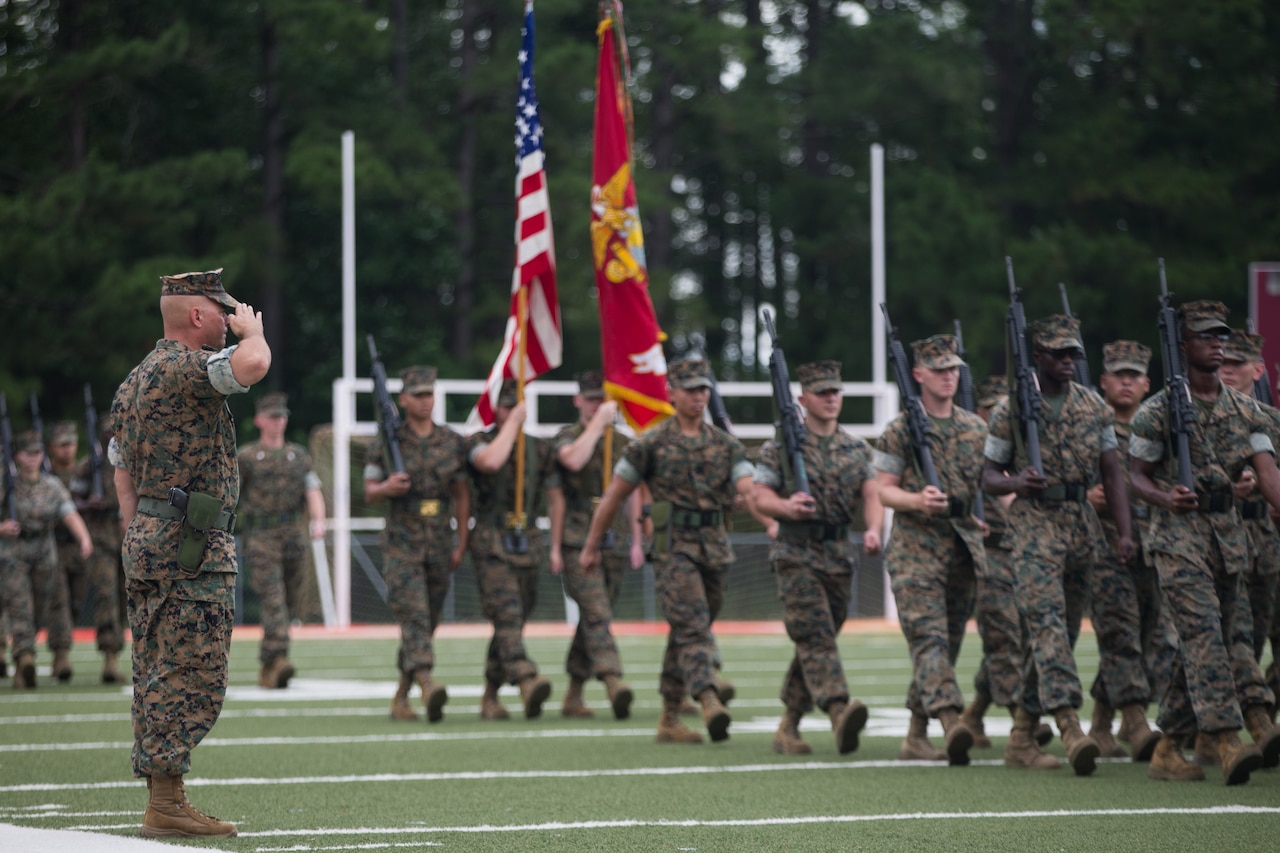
column 1024, row 400
column 788, row 424
column 95, row 445
column 38, row 425
column 388, row 414
column 10, row 466
column 715, row 403
column 968, row 402
column 1261, row 385
column 918, row 424
column 1182, row 412
column 1081, row 364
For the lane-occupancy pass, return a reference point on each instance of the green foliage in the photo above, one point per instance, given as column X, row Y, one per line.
column 1084, row 141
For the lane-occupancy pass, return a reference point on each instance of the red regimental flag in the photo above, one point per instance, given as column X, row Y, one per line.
column 535, row 265
column 635, row 369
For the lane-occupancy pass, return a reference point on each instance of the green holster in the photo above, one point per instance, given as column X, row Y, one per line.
column 660, row 513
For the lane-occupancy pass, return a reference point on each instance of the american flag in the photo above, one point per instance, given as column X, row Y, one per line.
column 535, row 263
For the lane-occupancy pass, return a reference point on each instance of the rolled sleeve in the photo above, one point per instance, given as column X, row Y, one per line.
column 742, row 469
column 221, row 377
column 888, row 463
column 1109, row 440
column 114, row 456
column 312, row 481
column 1145, row 449
column 1260, row 443
column 767, row 477
column 998, row 450
column 627, row 471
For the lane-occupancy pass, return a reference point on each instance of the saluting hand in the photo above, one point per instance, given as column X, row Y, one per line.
column 244, row 322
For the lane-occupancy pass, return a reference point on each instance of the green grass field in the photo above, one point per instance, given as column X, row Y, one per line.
column 321, row 766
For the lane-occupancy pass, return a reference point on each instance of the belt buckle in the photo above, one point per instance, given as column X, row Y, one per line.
column 429, row 508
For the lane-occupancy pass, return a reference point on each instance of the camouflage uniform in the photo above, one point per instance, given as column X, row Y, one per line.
column 417, row 540
column 1055, row 537
column 69, row 589
column 593, row 652
column 814, row 560
column 273, row 520
column 1137, row 643
column 174, row 430
column 28, row 562
column 105, row 568
column 697, row 476
column 1264, row 565
column 1003, row 632
column 1201, row 557
column 933, row 561
column 508, row 582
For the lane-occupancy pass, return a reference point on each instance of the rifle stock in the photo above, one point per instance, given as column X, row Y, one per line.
column 789, row 424
column 917, row 419
column 1024, row 397
column 1178, row 391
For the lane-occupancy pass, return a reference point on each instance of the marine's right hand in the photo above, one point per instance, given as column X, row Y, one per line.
column 10, row 528
column 1181, row 500
column 245, row 322
column 397, row 485
column 1029, row 483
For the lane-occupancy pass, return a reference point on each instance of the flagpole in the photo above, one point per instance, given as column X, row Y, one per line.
column 522, row 321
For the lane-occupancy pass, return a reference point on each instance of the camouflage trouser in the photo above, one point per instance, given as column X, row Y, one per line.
column 1003, row 633
column 29, row 579
column 814, row 606
column 508, row 594
column 416, row 569
column 274, row 559
column 1053, row 561
column 593, row 652
column 68, row 595
column 935, row 598
column 692, row 594
column 1215, row 674
column 105, row 572
column 1137, row 643
column 1262, row 606
column 1273, row 671
column 181, row 637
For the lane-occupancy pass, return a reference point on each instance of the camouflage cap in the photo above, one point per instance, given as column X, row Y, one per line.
column 819, row 376
column 198, row 284
column 1243, row 346
column 689, row 373
column 938, row 352
column 509, row 395
column 1057, row 331
column 28, row 441
column 64, row 432
column 992, row 390
column 590, row 385
column 1204, row 315
column 419, row 379
column 275, row 404
column 1125, row 355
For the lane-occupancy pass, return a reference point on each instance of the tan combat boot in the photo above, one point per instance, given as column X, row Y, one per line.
column 1138, row 732
column 275, row 674
column 1168, row 764
column 714, row 715
column 24, row 672
column 670, row 727
column 434, row 695
column 725, row 690
column 1238, row 760
column 787, row 740
column 620, row 696
column 1082, row 750
column 111, row 668
column 1022, row 751
column 534, row 690
column 490, row 707
column 1265, row 734
column 170, row 814
column 1100, row 731
column 958, row 737
column 400, row 708
column 916, row 745
column 688, row 707
column 1206, row 749
column 972, row 719
column 573, row 706
column 847, row 721
column 62, row 665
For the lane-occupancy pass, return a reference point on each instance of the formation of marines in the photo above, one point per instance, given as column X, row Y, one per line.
column 1168, row 542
